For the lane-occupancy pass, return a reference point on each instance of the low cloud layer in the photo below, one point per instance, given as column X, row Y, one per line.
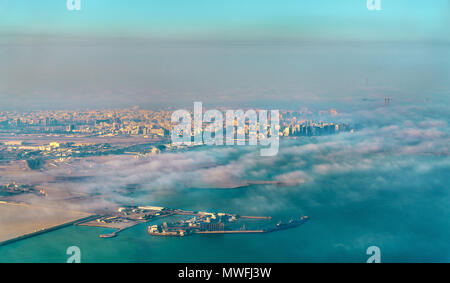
column 385, row 143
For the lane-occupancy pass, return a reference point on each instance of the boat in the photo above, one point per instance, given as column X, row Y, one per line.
column 291, row 224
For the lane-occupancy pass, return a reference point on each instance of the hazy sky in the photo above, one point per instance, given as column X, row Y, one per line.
column 232, row 19
column 172, row 52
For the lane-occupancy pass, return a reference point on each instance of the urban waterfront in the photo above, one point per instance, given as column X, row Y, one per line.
column 224, row 131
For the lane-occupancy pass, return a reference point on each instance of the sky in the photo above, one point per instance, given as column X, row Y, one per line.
column 253, row 53
column 232, row 19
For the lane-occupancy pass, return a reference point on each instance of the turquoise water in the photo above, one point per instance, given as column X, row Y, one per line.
column 337, row 233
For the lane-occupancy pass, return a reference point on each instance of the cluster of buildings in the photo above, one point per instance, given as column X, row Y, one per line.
column 62, row 152
column 152, row 130
column 310, row 128
column 140, row 122
column 14, row 188
column 95, row 122
column 143, row 213
column 201, row 222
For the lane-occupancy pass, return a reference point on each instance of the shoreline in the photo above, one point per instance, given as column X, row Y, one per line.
column 46, row 230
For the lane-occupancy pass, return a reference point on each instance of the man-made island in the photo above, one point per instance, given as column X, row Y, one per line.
column 200, row 223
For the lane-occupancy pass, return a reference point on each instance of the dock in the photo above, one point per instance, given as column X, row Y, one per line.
column 256, row 217
column 231, row 232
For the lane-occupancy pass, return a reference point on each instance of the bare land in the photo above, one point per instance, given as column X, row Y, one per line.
column 17, row 220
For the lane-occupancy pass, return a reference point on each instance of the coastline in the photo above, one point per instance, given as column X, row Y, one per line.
column 46, row 230
column 20, row 221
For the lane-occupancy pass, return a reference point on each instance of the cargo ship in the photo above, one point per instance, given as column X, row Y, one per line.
column 291, row 224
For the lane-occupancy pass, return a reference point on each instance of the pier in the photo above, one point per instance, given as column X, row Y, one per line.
column 232, row 232
column 256, row 217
